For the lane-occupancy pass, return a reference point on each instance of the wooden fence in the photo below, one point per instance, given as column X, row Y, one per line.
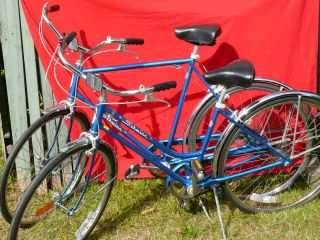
column 27, row 89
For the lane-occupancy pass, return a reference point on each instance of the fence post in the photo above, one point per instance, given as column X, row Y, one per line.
column 14, row 70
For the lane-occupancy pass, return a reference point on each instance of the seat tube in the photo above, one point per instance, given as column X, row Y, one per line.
column 218, row 106
column 181, row 102
column 209, row 132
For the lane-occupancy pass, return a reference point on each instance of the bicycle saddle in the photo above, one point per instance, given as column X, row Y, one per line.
column 238, row 73
column 199, row 35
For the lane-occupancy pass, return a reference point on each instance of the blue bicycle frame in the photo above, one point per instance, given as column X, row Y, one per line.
column 103, row 111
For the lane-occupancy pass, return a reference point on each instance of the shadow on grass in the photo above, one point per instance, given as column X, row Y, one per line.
column 133, row 201
column 110, row 224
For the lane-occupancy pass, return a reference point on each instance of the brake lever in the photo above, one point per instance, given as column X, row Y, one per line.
column 122, row 48
column 149, row 97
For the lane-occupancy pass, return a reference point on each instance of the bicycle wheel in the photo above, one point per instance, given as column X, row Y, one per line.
column 53, row 207
column 42, row 140
column 290, row 124
column 238, row 99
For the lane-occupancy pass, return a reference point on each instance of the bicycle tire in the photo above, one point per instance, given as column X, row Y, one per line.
column 11, row 186
column 55, row 210
column 296, row 135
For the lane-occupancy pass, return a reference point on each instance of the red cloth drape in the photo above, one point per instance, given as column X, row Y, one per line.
column 279, row 37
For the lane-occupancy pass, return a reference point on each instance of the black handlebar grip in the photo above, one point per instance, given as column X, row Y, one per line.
column 164, row 86
column 53, row 8
column 135, row 41
column 70, row 37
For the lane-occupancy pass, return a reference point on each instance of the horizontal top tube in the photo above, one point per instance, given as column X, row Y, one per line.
column 138, row 65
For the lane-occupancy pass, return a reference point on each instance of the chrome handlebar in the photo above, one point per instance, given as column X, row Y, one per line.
column 92, row 80
column 49, row 23
column 142, row 90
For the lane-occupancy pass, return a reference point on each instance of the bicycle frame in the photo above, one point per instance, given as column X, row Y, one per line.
column 103, row 111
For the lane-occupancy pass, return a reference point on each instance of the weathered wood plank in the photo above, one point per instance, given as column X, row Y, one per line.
column 47, row 94
column 30, row 70
column 13, row 63
column 32, row 88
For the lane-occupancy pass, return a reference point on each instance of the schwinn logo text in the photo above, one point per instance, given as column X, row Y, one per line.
column 137, row 130
column 127, row 123
column 112, row 121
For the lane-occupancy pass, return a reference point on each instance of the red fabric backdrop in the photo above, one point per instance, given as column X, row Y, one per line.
column 280, row 37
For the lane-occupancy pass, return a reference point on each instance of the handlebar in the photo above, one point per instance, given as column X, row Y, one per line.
column 94, row 81
column 142, row 90
column 46, row 9
column 53, row 8
column 72, row 35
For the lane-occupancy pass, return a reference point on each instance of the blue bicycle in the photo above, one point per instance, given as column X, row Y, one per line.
column 61, row 123
column 264, row 160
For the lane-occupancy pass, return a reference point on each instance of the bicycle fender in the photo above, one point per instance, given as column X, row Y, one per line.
column 56, row 108
column 108, row 148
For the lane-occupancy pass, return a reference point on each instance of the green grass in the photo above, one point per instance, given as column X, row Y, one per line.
column 143, row 209
column 148, row 212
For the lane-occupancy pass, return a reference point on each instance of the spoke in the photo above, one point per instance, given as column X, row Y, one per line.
column 295, row 127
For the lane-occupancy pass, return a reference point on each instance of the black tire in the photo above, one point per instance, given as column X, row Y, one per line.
column 34, row 145
column 46, row 200
column 291, row 132
column 238, row 99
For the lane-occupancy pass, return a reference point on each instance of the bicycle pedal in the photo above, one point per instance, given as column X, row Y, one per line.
column 185, row 203
column 132, row 171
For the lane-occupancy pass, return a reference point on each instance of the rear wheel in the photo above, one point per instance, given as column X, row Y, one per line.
column 53, row 207
column 290, row 125
column 42, row 140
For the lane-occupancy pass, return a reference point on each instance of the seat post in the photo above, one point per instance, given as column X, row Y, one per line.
column 194, row 54
column 221, row 90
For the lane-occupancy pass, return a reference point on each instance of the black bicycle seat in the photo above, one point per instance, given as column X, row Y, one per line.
column 200, row 34
column 238, row 73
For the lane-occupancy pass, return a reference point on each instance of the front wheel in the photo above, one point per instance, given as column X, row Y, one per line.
column 290, row 124
column 53, row 206
column 41, row 141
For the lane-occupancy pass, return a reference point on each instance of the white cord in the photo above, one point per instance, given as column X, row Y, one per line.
column 64, row 90
column 96, row 53
column 44, row 43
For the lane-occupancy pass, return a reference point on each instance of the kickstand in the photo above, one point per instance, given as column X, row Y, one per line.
column 219, row 212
